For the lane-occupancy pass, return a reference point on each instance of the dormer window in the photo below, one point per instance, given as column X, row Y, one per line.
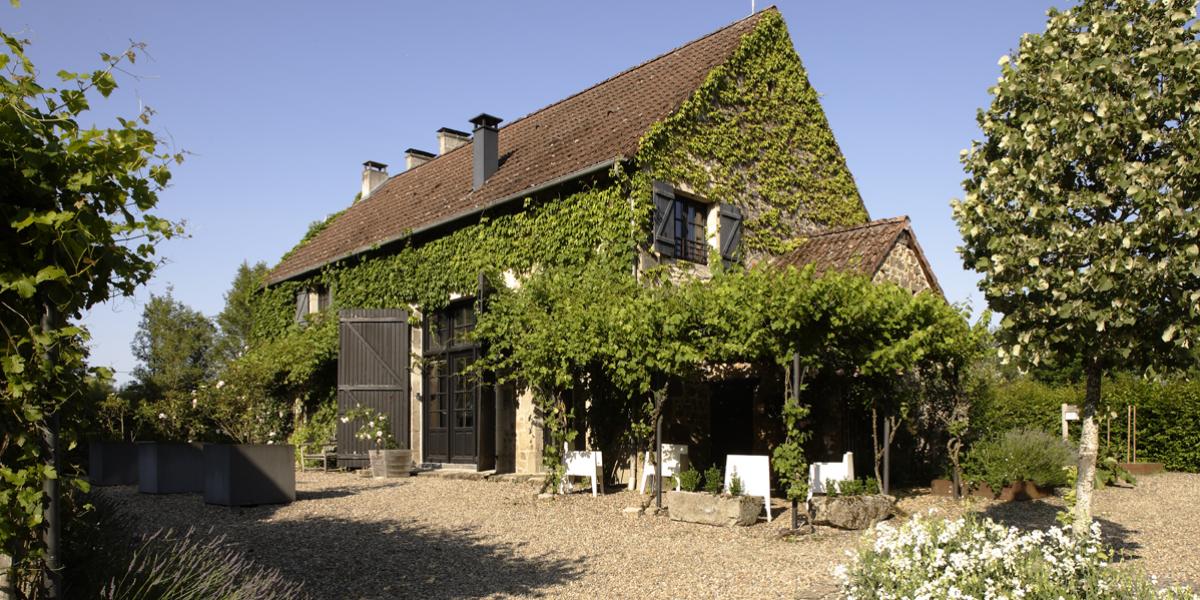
column 311, row 301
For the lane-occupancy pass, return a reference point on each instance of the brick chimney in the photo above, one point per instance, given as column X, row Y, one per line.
column 414, row 157
column 485, row 148
column 374, row 174
column 449, row 139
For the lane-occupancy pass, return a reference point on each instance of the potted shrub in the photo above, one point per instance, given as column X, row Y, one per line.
column 388, row 459
column 1021, row 464
column 852, row 504
column 712, row 507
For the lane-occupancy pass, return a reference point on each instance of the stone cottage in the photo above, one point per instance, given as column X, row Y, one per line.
column 716, row 150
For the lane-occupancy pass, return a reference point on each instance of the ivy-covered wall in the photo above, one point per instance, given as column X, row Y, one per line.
column 754, row 134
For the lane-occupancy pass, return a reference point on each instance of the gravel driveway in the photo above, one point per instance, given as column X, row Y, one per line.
column 427, row 537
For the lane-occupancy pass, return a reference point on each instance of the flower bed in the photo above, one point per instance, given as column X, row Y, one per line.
column 969, row 558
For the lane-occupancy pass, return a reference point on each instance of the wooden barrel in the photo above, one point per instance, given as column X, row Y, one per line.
column 391, row 463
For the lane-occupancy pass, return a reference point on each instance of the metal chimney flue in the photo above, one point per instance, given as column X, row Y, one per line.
column 485, row 148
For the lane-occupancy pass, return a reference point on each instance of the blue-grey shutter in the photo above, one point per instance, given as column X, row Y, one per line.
column 664, row 218
column 730, row 233
column 301, row 305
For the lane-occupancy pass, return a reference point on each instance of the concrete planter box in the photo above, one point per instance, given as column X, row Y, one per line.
column 170, row 468
column 249, row 474
column 390, row 463
column 112, row 463
column 851, row 512
column 711, row 509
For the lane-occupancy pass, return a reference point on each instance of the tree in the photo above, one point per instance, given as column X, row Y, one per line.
column 1080, row 206
column 236, row 321
column 75, row 230
column 174, row 347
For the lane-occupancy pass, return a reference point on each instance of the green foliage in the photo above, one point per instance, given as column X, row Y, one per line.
column 316, row 431
column 714, row 482
column 236, row 320
column 1168, row 415
column 373, row 427
column 1020, row 455
column 76, row 229
column 1078, row 207
column 735, row 485
column 755, row 131
column 689, row 479
column 853, row 487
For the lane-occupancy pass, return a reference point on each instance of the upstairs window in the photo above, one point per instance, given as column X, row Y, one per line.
column 311, row 301
column 691, row 230
column 680, row 228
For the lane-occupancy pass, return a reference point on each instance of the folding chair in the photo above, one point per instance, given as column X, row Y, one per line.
column 674, row 457
column 588, row 463
column 755, row 473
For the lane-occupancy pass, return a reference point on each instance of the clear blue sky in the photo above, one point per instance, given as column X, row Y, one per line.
column 281, row 102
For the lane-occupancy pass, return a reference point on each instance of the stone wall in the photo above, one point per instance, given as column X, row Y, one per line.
column 530, row 436
column 903, row 267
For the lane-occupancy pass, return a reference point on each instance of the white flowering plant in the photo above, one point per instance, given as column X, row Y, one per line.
column 930, row 558
column 373, row 427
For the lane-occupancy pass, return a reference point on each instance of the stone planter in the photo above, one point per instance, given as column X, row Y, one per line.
column 112, row 463
column 391, row 463
column 1023, row 490
column 711, row 509
column 249, row 474
column 170, row 467
column 851, row 512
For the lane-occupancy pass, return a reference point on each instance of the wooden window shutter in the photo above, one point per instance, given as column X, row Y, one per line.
column 664, row 219
column 730, row 233
column 301, row 305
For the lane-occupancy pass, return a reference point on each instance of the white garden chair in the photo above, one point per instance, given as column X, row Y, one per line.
column 820, row 474
column 755, row 473
column 582, row 463
column 674, row 458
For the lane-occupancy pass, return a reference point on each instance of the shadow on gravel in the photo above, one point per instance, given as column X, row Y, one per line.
column 1035, row 514
column 342, row 558
column 340, row 492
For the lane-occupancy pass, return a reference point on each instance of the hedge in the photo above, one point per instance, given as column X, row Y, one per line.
column 1168, row 415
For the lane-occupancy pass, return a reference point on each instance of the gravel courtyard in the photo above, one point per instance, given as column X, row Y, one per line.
column 430, row 537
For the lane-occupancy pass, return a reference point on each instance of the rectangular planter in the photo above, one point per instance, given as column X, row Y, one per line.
column 112, row 463
column 249, row 474
column 711, row 509
column 170, row 467
column 942, row 487
column 1023, row 490
column 982, row 490
column 1142, row 468
column 390, row 463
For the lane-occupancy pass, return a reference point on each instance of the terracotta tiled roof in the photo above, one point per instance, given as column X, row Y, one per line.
column 586, row 130
column 861, row 248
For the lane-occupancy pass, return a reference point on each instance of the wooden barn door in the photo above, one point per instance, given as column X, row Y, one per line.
column 373, row 370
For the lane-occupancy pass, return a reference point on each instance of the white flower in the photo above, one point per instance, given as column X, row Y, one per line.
column 345, row 419
column 220, row 384
column 162, row 415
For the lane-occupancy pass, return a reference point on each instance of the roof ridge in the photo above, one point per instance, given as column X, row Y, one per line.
column 875, row 223
column 640, row 65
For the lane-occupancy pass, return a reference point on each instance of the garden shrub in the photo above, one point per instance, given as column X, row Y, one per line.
column 1168, row 415
column 735, row 485
column 689, row 480
column 713, row 480
column 1020, row 455
column 930, row 557
column 853, row 487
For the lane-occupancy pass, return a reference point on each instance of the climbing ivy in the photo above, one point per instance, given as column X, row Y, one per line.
column 754, row 134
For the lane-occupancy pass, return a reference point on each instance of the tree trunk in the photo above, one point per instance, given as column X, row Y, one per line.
column 1089, row 443
column 875, row 442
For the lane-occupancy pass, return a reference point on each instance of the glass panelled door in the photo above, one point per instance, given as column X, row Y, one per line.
column 451, row 393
